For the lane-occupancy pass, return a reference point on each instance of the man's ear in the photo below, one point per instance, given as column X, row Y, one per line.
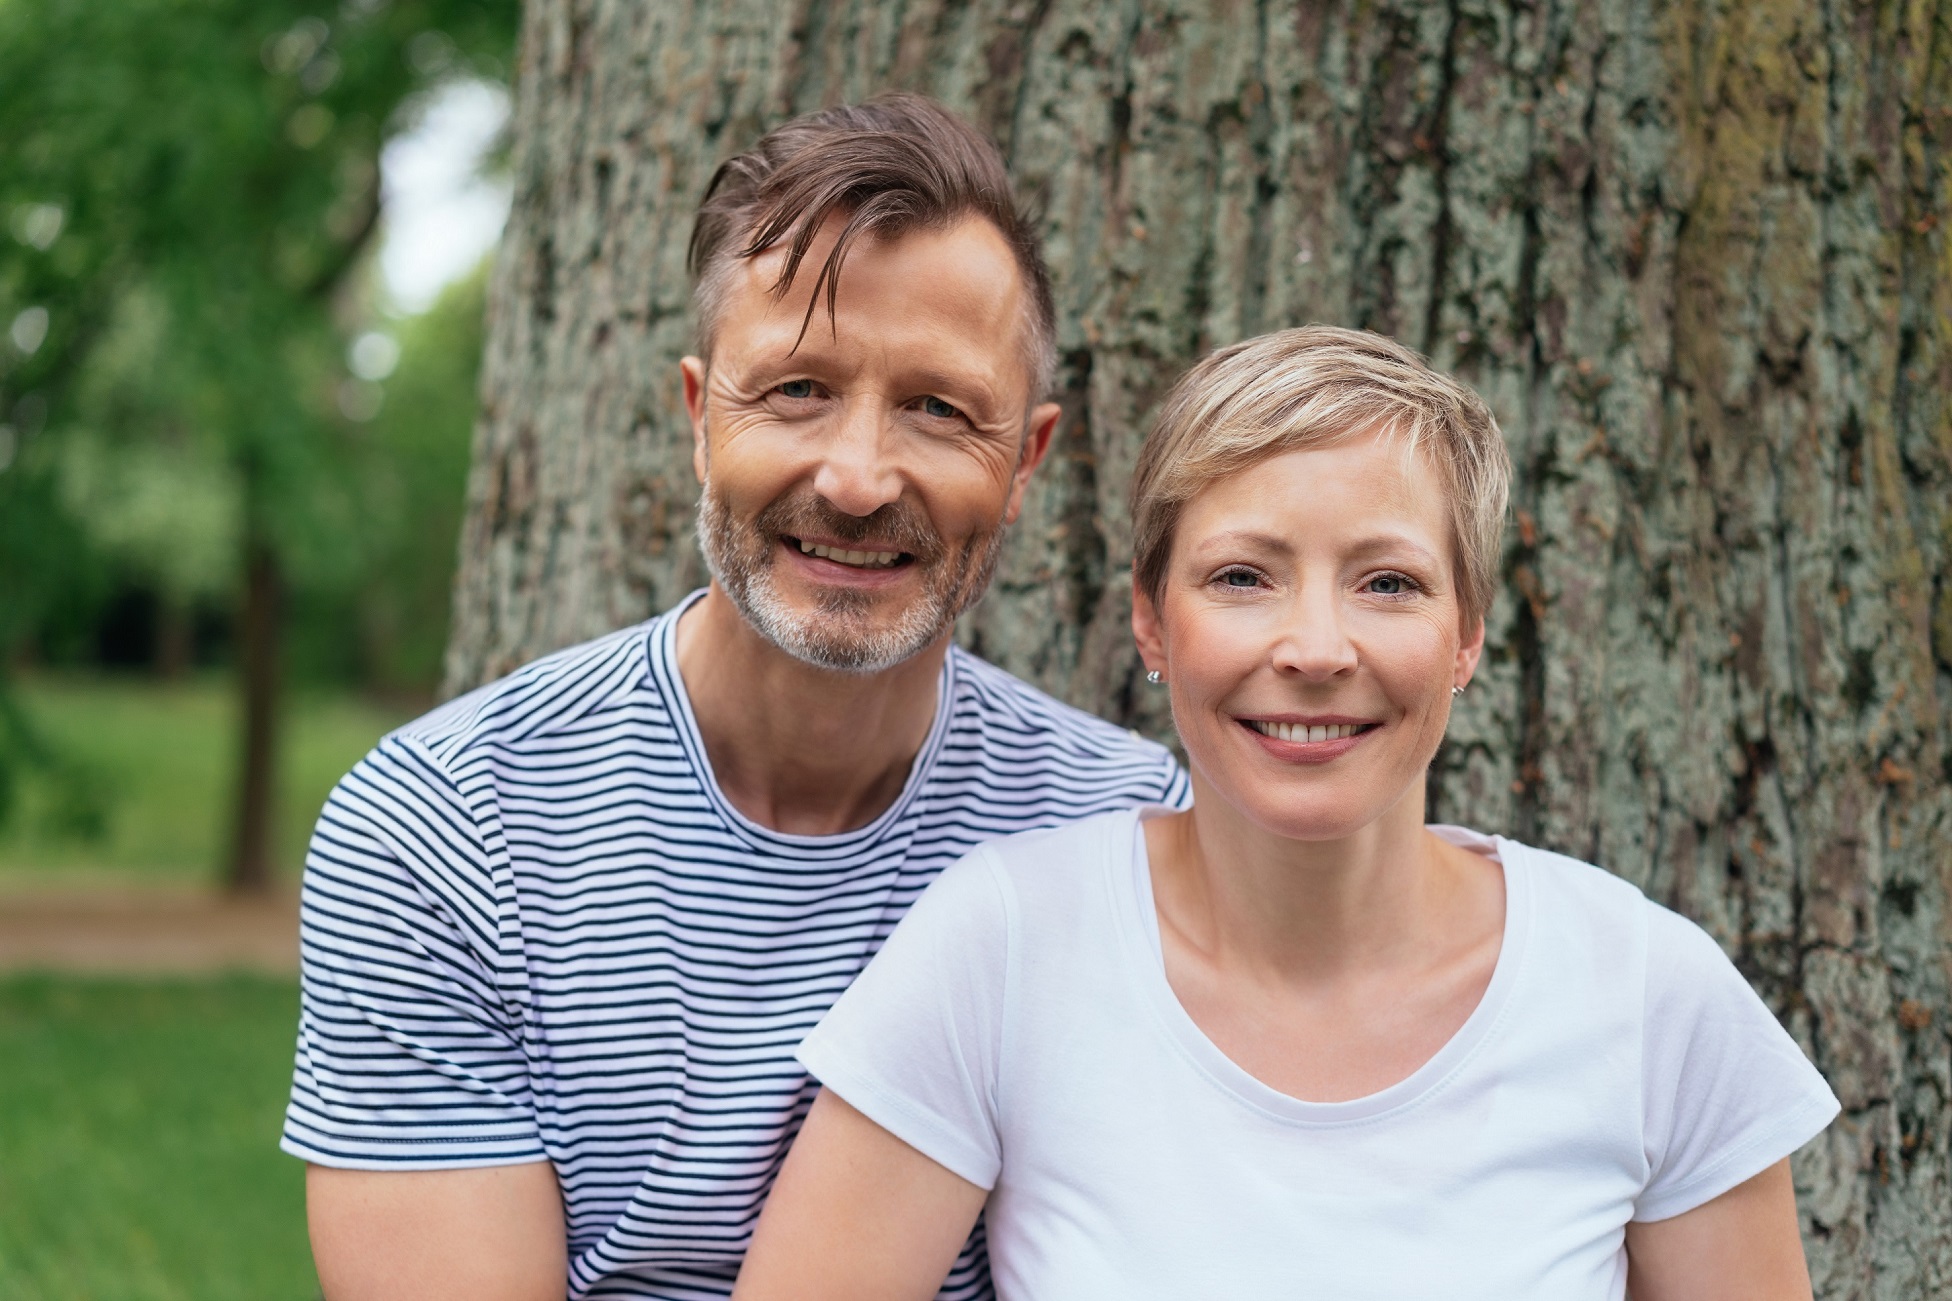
column 693, row 371
column 1036, row 443
column 1146, row 630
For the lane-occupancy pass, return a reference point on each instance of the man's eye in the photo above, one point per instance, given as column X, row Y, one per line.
column 796, row 388
column 939, row 409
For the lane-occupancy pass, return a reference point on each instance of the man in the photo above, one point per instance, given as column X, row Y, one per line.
column 563, row 935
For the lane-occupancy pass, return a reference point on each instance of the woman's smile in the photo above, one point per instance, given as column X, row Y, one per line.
column 1309, row 739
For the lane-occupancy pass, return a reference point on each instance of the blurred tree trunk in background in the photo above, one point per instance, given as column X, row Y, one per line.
column 1692, row 253
column 260, row 628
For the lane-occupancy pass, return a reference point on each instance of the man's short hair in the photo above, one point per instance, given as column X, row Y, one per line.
column 897, row 163
column 1314, row 387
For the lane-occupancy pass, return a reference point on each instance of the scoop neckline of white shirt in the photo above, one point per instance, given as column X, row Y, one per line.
column 1130, row 877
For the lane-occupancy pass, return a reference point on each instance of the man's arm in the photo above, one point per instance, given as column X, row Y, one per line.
column 1741, row 1246
column 493, row 1234
column 856, row 1215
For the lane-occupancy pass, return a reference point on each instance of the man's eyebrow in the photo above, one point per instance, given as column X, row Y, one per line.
column 977, row 387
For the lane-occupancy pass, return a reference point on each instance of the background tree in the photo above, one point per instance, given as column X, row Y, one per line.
column 191, row 188
column 1692, row 253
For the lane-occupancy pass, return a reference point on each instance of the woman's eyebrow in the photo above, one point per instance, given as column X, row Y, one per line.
column 1252, row 537
column 1369, row 546
column 1276, row 544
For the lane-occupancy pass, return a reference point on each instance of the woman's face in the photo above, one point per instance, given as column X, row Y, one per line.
column 1309, row 631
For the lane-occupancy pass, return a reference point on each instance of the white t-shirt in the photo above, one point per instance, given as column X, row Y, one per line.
column 1019, row 1029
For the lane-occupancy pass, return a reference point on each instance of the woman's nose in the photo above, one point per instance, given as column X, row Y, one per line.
column 1315, row 644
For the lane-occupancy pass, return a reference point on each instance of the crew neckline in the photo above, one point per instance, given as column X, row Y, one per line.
column 1130, row 876
column 662, row 653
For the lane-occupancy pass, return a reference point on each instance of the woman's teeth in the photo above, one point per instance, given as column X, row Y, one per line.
column 863, row 559
column 1304, row 732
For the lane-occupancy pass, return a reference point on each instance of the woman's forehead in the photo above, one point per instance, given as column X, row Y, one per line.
column 1354, row 485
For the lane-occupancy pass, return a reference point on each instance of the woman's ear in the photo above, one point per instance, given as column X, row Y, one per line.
column 1146, row 630
column 1469, row 651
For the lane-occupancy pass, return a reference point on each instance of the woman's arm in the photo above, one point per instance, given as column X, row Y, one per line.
column 856, row 1215
column 1742, row 1246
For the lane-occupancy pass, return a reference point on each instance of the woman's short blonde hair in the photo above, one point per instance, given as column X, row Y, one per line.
column 1314, row 387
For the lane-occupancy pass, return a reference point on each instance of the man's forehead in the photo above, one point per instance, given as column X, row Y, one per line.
column 968, row 256
column 958, row 286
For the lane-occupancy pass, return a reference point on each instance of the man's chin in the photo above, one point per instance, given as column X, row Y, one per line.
column 841, row 629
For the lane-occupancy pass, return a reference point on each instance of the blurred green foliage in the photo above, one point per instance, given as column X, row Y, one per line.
column 159, row 756
column 138, row 1142
column 189, row 192
column 380, row 619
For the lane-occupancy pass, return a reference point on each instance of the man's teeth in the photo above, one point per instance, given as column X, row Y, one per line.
column 1303, row 732
column 864, row 559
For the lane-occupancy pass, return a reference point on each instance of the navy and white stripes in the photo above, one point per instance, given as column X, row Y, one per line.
column 534, row 929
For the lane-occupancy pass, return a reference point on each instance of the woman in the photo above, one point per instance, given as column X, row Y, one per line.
column 1294, row 1042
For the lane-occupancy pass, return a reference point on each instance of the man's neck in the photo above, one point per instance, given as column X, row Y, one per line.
column 799, row 749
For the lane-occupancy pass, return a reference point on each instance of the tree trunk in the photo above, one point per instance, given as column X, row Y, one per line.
column 175, row 636
column 1693, row 255
column 259, row 628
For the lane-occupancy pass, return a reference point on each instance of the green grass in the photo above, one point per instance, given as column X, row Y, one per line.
column 159, row 760
column 138, row 1142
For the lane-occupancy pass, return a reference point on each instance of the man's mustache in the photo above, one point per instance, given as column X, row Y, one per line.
column 897, row 526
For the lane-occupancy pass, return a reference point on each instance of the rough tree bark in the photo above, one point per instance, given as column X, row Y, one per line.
column 1692, row 252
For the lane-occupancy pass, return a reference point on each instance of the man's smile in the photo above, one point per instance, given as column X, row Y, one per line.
column 855, row 557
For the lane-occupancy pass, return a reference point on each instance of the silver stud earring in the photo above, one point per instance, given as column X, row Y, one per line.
column 1456, row 690
column 1154, row 677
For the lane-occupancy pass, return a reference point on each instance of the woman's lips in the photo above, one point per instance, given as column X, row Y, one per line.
column 1308, row 742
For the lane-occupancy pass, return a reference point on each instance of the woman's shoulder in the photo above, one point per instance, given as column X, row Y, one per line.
column 1589, row 907
column 1558, row 881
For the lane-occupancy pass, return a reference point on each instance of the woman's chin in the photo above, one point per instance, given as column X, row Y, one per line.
column 1315, row 819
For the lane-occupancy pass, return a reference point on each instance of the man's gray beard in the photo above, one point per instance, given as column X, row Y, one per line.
column 836, row 634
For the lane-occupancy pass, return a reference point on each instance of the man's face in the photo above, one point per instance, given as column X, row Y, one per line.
column 856, row 488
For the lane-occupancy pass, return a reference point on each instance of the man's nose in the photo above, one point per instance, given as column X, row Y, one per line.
column 857, row 474
column 1314, row 643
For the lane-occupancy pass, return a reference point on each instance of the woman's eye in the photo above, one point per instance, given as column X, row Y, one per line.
column 1390, row 585
column 796, row 388
column 1240, row 578
column 939, row 409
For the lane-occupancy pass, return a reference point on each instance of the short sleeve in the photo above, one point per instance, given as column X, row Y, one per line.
column 409, row 1051
column 915, row 1043
column 1727, row 1093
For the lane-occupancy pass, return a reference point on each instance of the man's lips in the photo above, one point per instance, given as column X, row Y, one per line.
column 826, row 570
column 853, row 555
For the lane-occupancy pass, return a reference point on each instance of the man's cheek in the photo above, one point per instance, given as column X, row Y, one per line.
column 750, row 483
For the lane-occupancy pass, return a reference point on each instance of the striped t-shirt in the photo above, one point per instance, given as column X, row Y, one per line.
column 534, row 928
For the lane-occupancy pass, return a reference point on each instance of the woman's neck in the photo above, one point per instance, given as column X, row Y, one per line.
column 1305, row 912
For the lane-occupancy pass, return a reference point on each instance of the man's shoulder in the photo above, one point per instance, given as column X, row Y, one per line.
column 1009, row 712
column 424, row 783
column 542, row 699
